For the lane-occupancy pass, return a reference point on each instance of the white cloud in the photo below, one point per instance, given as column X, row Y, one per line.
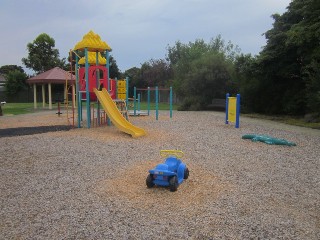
column 136, row 30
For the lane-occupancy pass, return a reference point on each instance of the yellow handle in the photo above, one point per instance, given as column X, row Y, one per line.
column 167, row 153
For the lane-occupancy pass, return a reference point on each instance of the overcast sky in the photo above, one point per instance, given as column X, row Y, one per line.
column 136, row 30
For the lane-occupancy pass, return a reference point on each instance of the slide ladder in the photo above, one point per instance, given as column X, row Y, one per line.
column 115, row 115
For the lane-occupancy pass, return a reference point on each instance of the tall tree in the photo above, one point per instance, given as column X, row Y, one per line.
column 155, row 72
column 290, row 60
column 247, row 70
column 113, row 68
column 42, row 55
column 134, row 78
column 203, row 71
column 9, row 68
column 15, row 82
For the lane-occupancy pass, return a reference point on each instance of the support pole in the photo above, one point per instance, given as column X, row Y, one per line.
column 78, row 96
column 148, row 101
column 35, row 96
column 227, row 107
column 108, row 77
column 73, row 96
column 50, row 96
column 97, row 84
column 87, row 89
column 134, row 100
column 238, row 111
column 171, row 95
column 43, row 96
column 139, row 99
column 157, row 103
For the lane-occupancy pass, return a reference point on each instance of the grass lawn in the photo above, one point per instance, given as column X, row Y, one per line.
column 22, row 108
column 17, row 108
column 162, row 106
column 296, row 121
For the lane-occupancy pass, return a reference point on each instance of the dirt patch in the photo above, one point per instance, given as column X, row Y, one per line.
column 129, row 185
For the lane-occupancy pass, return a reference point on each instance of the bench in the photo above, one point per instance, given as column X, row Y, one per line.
column 217, row 104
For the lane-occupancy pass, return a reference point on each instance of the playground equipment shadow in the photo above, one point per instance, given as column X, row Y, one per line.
column 20, row 131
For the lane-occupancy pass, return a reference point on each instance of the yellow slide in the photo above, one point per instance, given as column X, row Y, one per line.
column 116, row 117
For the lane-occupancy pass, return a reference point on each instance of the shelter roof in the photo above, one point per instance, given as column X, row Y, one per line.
column 54, row 75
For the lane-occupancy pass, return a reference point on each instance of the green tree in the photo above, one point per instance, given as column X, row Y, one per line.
column 155, row 73
column 134, row 78
column 203, row 71
column 288, row 63
column 113, row 68
column 9, row 68
column 42, row 55
column 15, row 82
column 247, row 70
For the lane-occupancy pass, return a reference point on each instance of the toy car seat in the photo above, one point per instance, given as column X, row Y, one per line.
column 172, row 163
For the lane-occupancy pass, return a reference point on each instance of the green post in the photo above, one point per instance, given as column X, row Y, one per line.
column 87, row 89
column 171, row 102
column 97, row 86
column 157, row 103
column 134, row 100
column 79, row 105
column 238, row 111
column 108, row 80
column 148, row 101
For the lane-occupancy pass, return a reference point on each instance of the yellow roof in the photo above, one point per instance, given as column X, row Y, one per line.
column 92, row 42
column 92, row 59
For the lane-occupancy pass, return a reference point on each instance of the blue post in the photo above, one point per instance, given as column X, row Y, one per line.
column 148, row 101
column 87, row 89
column 157, row 103
column 171, row 102
column 238, row 111
column 227, row 106
column 134, row 100
column 139, row 99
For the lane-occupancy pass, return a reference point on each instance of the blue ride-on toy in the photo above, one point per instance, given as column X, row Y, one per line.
column 171, row 173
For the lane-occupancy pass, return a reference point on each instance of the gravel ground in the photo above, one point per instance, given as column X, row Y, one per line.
column 90, row 183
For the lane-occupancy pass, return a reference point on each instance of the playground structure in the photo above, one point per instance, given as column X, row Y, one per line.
column 137, row 99
column 233, row 110
column 93, row 83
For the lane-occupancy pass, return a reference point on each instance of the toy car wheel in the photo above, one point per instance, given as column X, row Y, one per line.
column 149, row 181
column 173, row 183
column 186, row 173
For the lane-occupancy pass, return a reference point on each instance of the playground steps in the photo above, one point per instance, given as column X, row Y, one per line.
column 122, row 106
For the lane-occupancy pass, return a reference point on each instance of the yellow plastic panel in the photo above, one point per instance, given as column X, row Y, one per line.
column 232, row 109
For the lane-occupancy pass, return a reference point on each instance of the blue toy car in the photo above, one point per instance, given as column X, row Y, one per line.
column 171, row 173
